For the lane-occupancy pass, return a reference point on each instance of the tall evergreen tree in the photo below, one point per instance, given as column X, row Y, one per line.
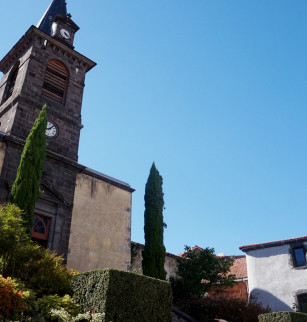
column 154, row 251
column 25, row 190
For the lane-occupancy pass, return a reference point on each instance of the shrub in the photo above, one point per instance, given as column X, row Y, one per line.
column 64, row 316
column 50, row 302
column 38, row 310
column 12, row 301
column 12, row 233
column 283, row 316
column 230, row 309
column 38, row 268
column 123, row 296
column 48, row 276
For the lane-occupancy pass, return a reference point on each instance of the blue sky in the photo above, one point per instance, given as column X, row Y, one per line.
column 213, row 91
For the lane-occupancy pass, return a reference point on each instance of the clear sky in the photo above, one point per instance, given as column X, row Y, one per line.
column 214, row 92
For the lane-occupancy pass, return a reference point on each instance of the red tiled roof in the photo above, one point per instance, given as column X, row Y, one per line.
column 239, row 268
column 245, row 248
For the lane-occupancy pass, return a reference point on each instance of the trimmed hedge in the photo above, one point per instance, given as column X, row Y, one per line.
column 283, row 317
column 123, row 296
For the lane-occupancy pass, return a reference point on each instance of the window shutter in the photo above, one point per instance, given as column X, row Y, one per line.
column 11, row 83
column 55, row 81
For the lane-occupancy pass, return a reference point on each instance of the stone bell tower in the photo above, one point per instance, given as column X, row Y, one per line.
column 43, row 68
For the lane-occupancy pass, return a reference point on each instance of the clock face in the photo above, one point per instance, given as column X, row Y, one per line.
column 52, row 130
column 65, row 34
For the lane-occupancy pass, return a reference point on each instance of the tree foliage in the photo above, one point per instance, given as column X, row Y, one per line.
column 25, row 190
column 199, row 270
column 12, row 302
column 38, row 268
column 154, row 250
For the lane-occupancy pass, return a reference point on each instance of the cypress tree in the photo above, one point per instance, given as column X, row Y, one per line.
column 25, row 190
column 154, row 250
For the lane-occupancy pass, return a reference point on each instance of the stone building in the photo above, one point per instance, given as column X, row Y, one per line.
column 170, row 264
column 82, row 214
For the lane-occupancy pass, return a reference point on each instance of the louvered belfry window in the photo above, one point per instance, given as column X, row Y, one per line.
column 11, row 82
column 55, row 81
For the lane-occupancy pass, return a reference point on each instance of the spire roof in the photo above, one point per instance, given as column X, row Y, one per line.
column 56, row 7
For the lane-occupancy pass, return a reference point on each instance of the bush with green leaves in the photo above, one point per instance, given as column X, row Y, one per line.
column 199, row 270
column 283, row 316
column 229, row 309
column 33, row 309
column 12, row 235
column 64, row 316
column 123, row 296
column 12, row 300
column 46, row 304
column 38, row 268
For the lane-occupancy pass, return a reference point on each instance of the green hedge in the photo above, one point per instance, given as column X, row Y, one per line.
column 283, row 317
column 123, row 296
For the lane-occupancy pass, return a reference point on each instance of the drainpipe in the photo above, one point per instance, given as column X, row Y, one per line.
column 244, row 279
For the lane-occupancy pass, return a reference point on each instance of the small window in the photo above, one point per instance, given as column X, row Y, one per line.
column 11, row 82
column 55, row 81
column 302, row 303
column 299, row 256
column 40, row 230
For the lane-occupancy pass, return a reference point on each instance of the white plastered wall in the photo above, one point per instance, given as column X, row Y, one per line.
column 272, row 278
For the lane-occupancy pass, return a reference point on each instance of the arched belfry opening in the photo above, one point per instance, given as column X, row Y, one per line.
column 11, row 82
column 55, row 81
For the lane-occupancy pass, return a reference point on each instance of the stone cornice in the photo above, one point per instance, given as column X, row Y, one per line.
column 107, row 179
column 80, row 168
column 25, row 41
column 72, row 163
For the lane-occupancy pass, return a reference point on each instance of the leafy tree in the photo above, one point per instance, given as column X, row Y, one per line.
column 154, row 250
column 199, row 270
column 38, row 268
column 25, row 190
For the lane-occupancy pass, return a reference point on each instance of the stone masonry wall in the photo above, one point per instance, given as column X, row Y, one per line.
column 28, row 89
column 19, row 112
column 101, row 226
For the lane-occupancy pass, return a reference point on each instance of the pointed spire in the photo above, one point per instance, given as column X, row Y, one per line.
column 56, row 7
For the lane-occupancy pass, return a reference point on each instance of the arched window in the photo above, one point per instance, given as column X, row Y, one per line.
column 55, row 81
column 40, row 230
column 11, row 82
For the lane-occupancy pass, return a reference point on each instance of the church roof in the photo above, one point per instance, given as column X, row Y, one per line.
column 56, row 7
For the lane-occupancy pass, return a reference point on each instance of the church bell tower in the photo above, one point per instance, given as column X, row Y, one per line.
column 43, row 68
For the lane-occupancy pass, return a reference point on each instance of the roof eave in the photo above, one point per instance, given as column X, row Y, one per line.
column 34, row 30
column 291, row 241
